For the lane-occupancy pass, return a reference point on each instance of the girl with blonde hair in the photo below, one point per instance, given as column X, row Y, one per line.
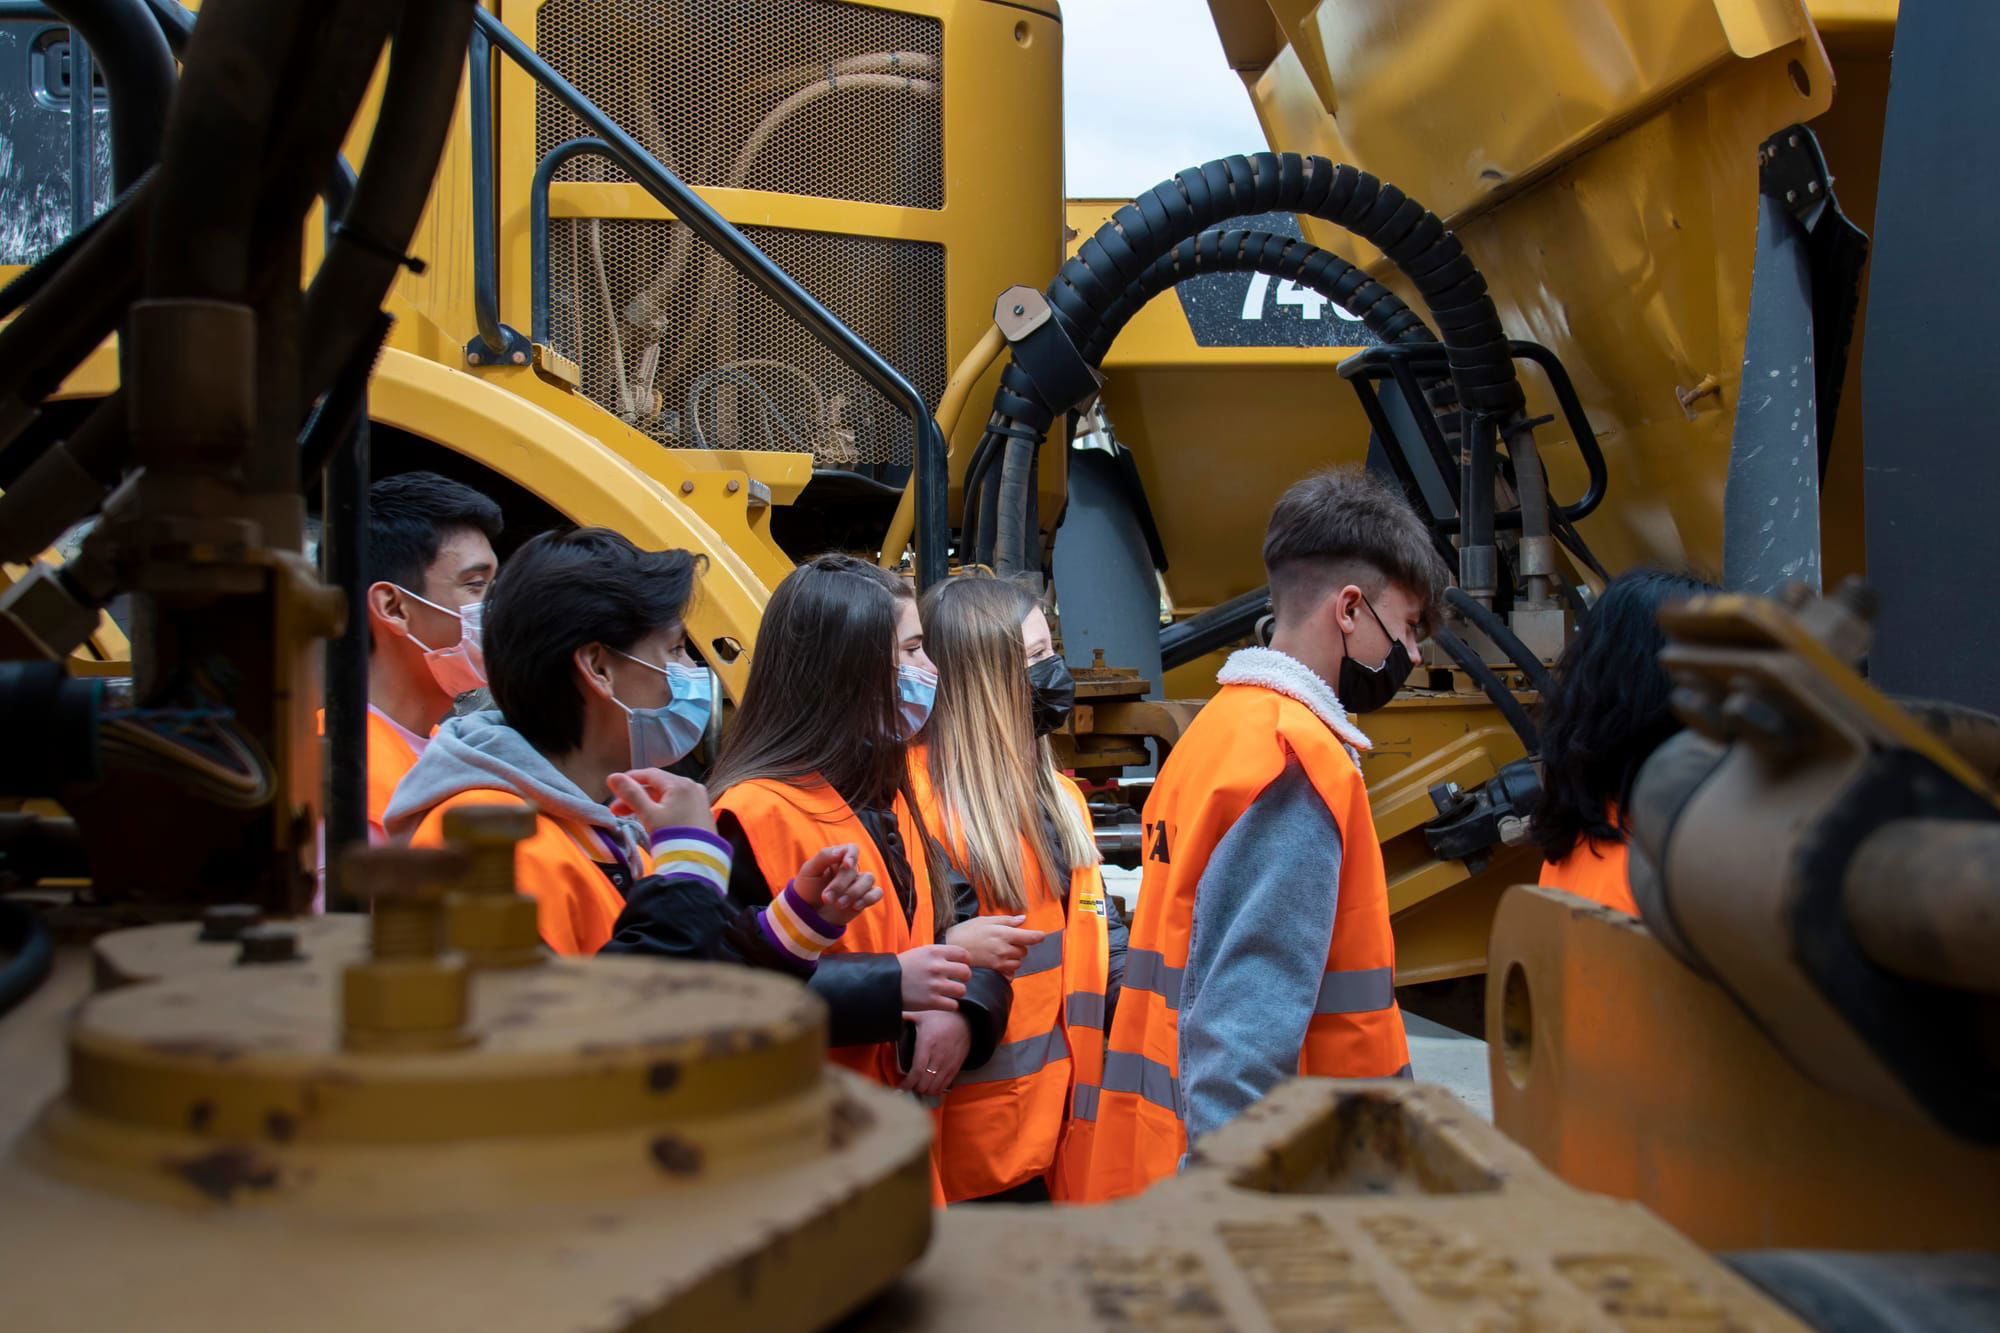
column 1030, row 897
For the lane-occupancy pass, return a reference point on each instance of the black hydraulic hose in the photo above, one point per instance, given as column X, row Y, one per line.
column 1489, row 623
column 1496, row 689
column 26, row 936
column 139, row 74
column 1224, row 623
column 1232, row 251
column 419, row 97
column 215, row 138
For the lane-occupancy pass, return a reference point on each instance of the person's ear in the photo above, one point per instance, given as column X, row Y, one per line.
column 593, row 668
column 1345, row 608
column 385, row 603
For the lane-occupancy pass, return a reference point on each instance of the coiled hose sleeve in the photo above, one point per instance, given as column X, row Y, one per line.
column 1496, row 689
column 1021, row 419
column 1095, row 279
column 1496, row 629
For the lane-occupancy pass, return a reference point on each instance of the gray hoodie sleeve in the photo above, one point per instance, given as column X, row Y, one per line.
column 1262, row 922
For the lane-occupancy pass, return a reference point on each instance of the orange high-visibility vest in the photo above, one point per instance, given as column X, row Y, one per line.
column 1596, row 870
column 390, row 756
column 1002, row 1125
column 787, row 826
column 576, row 904
column 1236, row 747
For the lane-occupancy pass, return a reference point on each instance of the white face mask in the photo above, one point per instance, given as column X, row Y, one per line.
column 460, row 668
column 667, row 734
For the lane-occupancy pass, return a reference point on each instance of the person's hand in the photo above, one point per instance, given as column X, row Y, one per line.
column 816, row 874
column 997, row 942
column 943, row 1041
column 848, row 895
column 659, row 799
column 934, row 976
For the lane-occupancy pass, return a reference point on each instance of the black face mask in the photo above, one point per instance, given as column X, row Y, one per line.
column 1051, row 693
column 1363, row 689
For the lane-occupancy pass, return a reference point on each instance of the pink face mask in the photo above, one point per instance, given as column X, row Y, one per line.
column 461, row 667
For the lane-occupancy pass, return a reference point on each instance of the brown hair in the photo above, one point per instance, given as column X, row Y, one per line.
column 821, row 698
column 992, row 776
column 1342, row 526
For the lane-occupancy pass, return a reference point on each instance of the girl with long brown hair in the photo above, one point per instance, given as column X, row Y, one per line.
column 1018, row 834
column 817, row 756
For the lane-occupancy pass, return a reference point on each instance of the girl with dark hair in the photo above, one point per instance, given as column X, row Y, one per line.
column 1608, row 715
column 596, row 694
column 1018, row 835
column 817, row 754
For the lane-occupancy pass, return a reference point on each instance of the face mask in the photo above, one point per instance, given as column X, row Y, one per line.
column 1051, row 693
column 1363, row 689
column 461, row 668
column 667, row 734
column 916, row 691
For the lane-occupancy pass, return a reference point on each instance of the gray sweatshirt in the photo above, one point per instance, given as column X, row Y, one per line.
column 480, row 752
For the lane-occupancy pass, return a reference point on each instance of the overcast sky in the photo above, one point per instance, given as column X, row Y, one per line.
column 1146, row 92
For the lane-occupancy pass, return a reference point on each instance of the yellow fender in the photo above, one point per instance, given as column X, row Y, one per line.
column 589, row 483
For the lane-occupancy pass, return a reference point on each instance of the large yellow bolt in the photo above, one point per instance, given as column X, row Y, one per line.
column 485, row 918
column 410, row 995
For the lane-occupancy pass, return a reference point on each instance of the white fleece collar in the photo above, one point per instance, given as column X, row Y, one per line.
column 1284, row 674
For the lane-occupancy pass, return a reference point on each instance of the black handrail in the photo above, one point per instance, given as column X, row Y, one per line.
column 538, row 226
column 496, row 343
column 929, row 458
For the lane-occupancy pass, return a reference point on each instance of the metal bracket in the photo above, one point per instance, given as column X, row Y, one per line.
column 1043, row 349
column 518, row 351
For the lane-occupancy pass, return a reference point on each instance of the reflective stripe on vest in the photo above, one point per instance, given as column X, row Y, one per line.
column 1361, row 991
column 1083, row 1102
column 1018, row 1059
column 1126, row 1072
column 1044, row 956
column 1082, row 1010
column 1147, row 970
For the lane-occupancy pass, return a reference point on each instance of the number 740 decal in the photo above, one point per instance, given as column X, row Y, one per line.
column 1308, row 302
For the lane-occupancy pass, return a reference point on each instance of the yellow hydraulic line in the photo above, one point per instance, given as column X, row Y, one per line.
column 976, row 364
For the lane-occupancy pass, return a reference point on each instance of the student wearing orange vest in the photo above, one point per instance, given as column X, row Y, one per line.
column 817, row 755
column 597, row 695
column 1260, row 947
column 1609, row 713
column 430, row 560
column 1031, row 900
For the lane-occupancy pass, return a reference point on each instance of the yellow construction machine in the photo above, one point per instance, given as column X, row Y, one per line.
column 764, row 277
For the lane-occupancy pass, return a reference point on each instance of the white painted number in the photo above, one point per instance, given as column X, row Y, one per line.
column 1309, row 302
column 1253, row 300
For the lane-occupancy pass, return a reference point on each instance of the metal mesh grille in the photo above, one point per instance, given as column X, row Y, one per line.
column 696, row 357
column 796, row 96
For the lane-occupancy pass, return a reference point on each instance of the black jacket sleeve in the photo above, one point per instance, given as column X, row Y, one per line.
column 964, row 898
column 681, row 917
column 986, row 1005
column 864, row 997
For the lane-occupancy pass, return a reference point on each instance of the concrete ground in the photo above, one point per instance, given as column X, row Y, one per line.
column 1437, row 1054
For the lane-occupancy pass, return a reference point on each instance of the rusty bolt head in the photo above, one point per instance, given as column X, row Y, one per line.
column 687, row 488
column 733, row 486
column 223, row 922
column 269, row 944
column 520, row 358
column 486, row 825
column 388, row 873
column 472, row 358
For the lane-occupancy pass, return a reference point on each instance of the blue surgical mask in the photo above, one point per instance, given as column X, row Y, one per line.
column 669, row 733
column 916, row 691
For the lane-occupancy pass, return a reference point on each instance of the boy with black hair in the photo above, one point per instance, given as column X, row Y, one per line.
column 430, row 559
column 1261, row 946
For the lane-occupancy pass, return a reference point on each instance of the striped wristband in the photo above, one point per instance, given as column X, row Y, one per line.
column 691, row 853
column 792, row 926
